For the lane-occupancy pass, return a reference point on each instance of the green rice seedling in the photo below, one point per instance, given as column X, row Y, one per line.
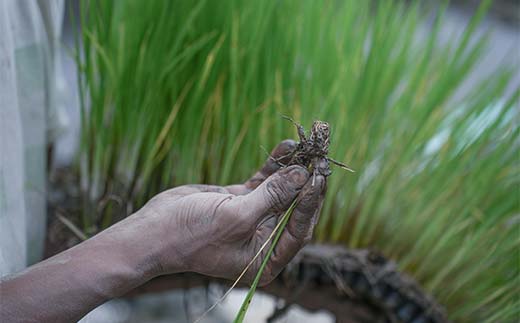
column 310, row 152
column 176, row 92
column 278, row 232
column 271, row 241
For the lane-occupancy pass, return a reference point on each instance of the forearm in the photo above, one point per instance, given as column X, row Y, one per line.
column 207, row 229
column 67, row 286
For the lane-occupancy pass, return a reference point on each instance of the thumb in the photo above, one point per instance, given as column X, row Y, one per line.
column 276, row 193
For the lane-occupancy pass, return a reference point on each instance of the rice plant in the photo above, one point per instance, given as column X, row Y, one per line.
column 177, row 92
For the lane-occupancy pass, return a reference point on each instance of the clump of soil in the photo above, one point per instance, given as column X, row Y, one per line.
column 312, row 151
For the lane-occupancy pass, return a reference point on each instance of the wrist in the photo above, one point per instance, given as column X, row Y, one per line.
column 131, row 244
column 115, row 265
column 162, row 244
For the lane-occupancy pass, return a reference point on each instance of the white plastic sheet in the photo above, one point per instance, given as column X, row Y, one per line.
column 31, row 89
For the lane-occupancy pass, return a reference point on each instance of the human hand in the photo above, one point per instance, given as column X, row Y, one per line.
column 216, row 231
column 207, row 229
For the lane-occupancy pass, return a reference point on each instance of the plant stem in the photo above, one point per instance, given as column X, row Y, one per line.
column 245, row 305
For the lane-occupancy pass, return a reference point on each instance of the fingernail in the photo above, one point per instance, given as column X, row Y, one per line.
column 288, row 145
column 298, row 175
column 284, row 148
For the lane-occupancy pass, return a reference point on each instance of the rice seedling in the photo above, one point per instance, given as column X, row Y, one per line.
column 175, row 92
column 274, row 240
column 310, row 153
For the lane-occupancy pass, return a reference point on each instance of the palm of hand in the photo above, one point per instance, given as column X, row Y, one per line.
column 223, row 227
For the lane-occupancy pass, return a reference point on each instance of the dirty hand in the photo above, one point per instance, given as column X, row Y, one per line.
column 216, row 230
column 211, row 230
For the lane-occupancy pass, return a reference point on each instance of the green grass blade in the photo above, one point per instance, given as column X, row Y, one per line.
column 245, row 305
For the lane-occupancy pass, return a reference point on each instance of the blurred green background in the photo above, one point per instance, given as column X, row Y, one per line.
column 177, row 92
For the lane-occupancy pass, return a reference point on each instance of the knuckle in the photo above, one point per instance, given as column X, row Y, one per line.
column 238, row 216
column 267, row 277
column 227, row 206
column 308, row 207
column 307, row 238
column 276, row 193
column 297, row 239
column 226, row 209
column 275, row 262
column 243, row 211
column 275, row 266
column 288, row 145
column 264, row 281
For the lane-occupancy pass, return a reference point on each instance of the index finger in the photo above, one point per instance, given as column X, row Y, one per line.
column 279, row 156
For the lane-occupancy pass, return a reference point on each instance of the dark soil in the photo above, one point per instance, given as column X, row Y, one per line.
column 312, row 151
